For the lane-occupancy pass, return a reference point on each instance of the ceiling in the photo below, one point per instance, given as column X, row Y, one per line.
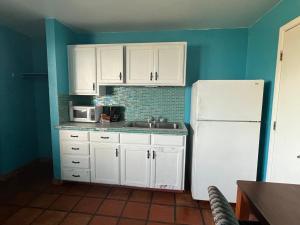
column 26, row 16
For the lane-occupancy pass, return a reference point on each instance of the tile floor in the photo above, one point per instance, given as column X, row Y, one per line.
column 32, row 199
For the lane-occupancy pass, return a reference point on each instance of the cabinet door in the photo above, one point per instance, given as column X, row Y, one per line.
column 110, row 64
column 166, row 168
column 82, row 70
column 170, row 64
column 140, row 64
column 135, row 165
column 104, row 163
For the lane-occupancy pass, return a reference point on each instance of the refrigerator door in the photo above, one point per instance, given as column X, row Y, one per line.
column 229, row 100
column 223, row 152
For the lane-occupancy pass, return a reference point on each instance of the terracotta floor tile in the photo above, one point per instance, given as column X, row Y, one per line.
column 58, row 188
column 76, row 219
column 88, row 205
column 22, row 198
column 185, row 199
column 204, row 204
column 78, row 189
column 119, row 193
column 207, row 217
column 158, row 223
column 6, row 211
column 111, row 207
column 65, row 202
column 43, row 200
column 140, row 196
column 24, row 216
column 104, row 220
column 163, row 198
column 162, row 213
column 98, row 191
column 131, row 222
column 39, row 185
column 50, row 217
column 136, row 210
column 187, row 215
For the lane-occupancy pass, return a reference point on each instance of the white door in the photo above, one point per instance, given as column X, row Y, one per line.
column 105, row 163
column 236, row 100
column 223, row 153
column 110, row 64
column 139, row 64
column 284, row 162
column 166, row 168
column 170, row 65
column 135, row 165
column 82, row 70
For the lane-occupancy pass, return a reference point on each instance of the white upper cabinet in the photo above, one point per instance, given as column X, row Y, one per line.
column 110, row 64
column 82, row 70
column 170, row 64
column 167, row 168
column 160, row 64
column 139, row 64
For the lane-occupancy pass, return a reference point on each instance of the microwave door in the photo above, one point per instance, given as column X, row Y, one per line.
column 80, row 115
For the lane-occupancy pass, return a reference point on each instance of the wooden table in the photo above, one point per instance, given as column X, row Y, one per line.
column 272, row 203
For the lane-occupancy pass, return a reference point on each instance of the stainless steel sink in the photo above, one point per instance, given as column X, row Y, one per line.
column 162, row 125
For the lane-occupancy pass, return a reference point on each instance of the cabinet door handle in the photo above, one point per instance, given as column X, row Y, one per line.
column 74, row 136
column 148, row 154
column 151, row 76
column 75, row 149
column 153, row 155
column 104, row 137
column 117, row 152
column 156, row 75
column 298, row 156
column 120, row 75
column 75, row 175
column 94, row 86
column 75, row 162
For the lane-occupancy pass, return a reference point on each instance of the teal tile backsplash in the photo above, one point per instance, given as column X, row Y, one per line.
column 141, row 102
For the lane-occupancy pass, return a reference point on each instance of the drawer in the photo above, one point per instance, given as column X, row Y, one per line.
column 104, row 137
column 74, row 135
column 73, row 147
column 81, row 175
column 168, row 140
column 129, row 138
column 75, row 161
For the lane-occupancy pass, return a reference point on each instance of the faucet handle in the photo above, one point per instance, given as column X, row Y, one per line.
column 150, row 119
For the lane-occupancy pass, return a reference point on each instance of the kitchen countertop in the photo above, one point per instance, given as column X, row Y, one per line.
column 120, row 127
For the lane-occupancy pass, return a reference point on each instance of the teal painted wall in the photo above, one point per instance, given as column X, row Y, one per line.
column 58, row 37
column 261, row 63
column 18, row 145
column 211, row 54
column 41, row 97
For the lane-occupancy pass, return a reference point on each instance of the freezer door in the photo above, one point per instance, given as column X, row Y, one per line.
column 230, row 100
column 223, row 152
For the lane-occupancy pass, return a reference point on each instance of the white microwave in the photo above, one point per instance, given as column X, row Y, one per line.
column 83, row 114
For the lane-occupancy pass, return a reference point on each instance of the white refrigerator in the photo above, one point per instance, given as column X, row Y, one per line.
column 225, row 122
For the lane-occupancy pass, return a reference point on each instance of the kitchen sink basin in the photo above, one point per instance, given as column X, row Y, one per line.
column 163, row 125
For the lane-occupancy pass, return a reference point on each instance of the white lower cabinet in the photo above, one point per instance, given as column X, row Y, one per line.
column 130, row 159
column 105, row 163
column 167, row 168
column 135, row 165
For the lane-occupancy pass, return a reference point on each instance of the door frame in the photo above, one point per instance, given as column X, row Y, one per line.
column 293, row 23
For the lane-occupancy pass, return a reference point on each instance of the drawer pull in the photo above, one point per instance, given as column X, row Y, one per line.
column 75, row 162
column 104, row 137
column 117, row 152
column 148, row 154
column 75, row 149
column 153, row 155
column 74, row 136
column 75, row 175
